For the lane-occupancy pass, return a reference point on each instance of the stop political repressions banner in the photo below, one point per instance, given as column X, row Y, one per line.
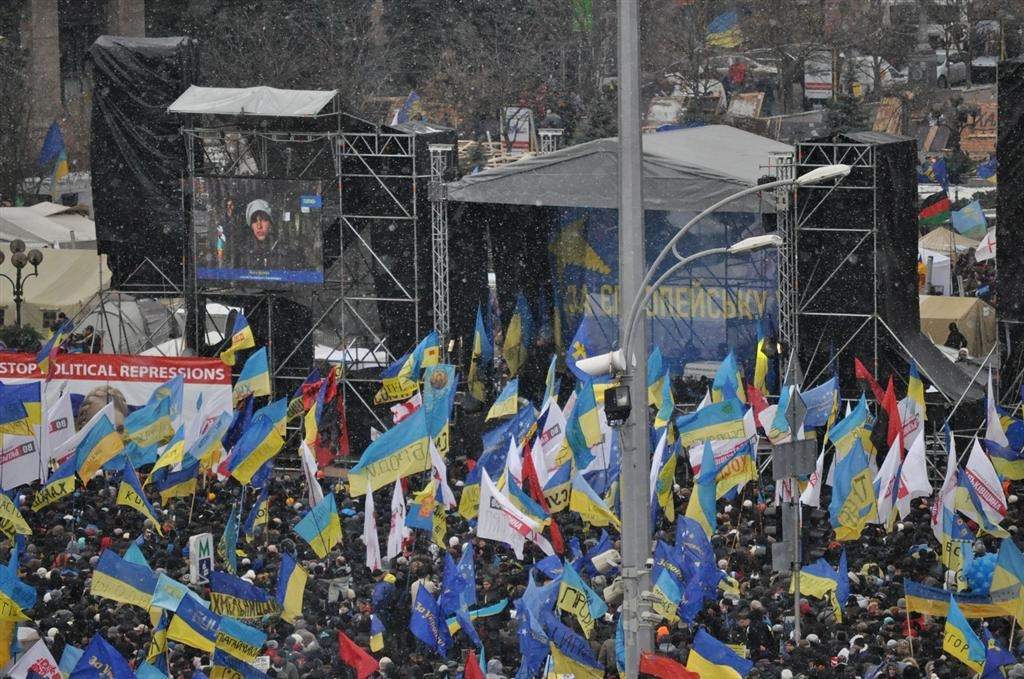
column 89, row 378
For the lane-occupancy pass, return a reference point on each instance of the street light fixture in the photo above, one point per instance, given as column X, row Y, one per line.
column 20, row 259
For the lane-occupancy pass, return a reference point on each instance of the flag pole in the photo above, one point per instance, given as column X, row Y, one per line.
column 906, row 610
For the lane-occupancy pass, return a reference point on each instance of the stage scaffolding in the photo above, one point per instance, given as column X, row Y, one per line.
column 345, row 309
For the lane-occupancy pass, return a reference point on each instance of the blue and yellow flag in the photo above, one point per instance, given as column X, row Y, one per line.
column 595, row 335
column 151, row 424
column 226, row 666
column 60, row 484
column 255, row 377
column 321, row 526
column 564, row 664
column 291, row 584
column 481, row 359
column 194, row 625
column 130, row 494
column 398, row 452
column 712, row 659
column 577, row 598
column 180, row 483
column 853, row 427
column 11, row 521
column 518, row 336
column 960, row 641
column 14, row 418
column 426, row 624
column 701, row 506
column 102, row 444
column 238, row 639
column 586, row 413
column 666, row 404
column 724, row 30
column 241, row 338
column 761, row 360
column 853, row 503
column 819, row 580
column 728, row 382
column 376, row 634
column 259, row 443
column 656, row 375
column 1008, row 578
column 400, row 380
column 258, row 514
column 507, row 403
column 227, row 546
column 439, row 383
column 116, row 579
column 157, row 652
column 664, row 480
column 588, row 504
column 46, row 355
column 716, row 422
column 174, row 453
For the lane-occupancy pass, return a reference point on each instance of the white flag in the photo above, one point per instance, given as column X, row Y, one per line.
column 502, row 521
column 913, row 476
column 545, row 455
column 812, row 493
column 656, row 462
column 514, row 461
column 398, row 531
column 987, row 247
column 887, row 484
column 439, row 472
column 985, row 480
column 993, row 425
column 37, row 662
column 59, row 425
column 309, row 470
column 370, row 535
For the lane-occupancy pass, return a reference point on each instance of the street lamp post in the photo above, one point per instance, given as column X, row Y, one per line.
column 632, row 371
column 20, row 259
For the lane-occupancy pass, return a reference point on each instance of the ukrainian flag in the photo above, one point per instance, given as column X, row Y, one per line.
column 656, row 376
column 14, row 417
column 44, row 359
column 60, row 484
column 507, row 403
column 180, row 483
column 915, row 390
column 589, row 419
column 321, row 526
column 558, row 489
column 712, row 659
column 398, row 452
column 258, row 514
column 259, row 443
column 960, row 641
column 238, row 639
column 130, row 494
column 851, row 428
column 1008, row 462
column 173, row 453
column 589, row 505
column 226, row 666
column 481, row 358
column 119, row 580
column 241, row 338
column 151, row 424
column 158, row 642
column 716, row 422
column 565, row 665
column 101, row 445
column 518, row 335
column 291, row 584
column 666, row 404
column 819, row 580
column 728, row 382
column 376, row 634
column 664, row 479
column 255, row 377
column 701, row 507
column 853, row 503
column 1008, row 576
column 401, row 379
column 724, row 30
column 194, row 625
column 737, row 469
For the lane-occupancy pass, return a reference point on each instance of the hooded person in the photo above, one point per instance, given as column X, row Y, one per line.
column 263, row 248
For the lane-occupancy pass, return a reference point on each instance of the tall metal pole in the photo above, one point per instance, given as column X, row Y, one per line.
column 636, row 456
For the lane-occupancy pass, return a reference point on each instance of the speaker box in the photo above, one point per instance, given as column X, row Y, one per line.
column 138, row 157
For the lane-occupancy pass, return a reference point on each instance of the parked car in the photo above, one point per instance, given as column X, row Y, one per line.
column 951, row 70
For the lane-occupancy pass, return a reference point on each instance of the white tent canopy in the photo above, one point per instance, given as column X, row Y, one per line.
column 252, row 101
column 47, row 225
column 940, row 272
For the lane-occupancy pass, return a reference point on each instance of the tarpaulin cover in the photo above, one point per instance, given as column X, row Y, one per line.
column 138, row 157
column 1010, row 225
column 684, row 170
column 252, row 101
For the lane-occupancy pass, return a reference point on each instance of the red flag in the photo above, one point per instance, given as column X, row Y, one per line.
column 862, row 373
column 355, row 657
column 472, row 670
column 664, row 668
column 343, row 446
column 532, row 483
column 892, row 409
column 757, row 402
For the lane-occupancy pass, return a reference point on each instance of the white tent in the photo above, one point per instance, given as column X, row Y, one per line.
column 252, row 101
column 48, row 225
column 939, row 279
column 67, row 281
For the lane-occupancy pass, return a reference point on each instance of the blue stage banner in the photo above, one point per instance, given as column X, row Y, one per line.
column 700, row 312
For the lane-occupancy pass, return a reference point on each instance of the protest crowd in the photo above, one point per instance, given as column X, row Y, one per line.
column 504, row 563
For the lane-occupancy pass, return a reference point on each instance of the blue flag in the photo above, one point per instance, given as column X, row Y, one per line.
column 427, row 625
column 100, row 660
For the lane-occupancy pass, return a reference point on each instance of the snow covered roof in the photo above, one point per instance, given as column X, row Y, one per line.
column 46, row 225
column 252, row 101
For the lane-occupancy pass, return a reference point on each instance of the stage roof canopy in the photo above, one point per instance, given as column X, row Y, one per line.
column 684, row 170
column 253, row 101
